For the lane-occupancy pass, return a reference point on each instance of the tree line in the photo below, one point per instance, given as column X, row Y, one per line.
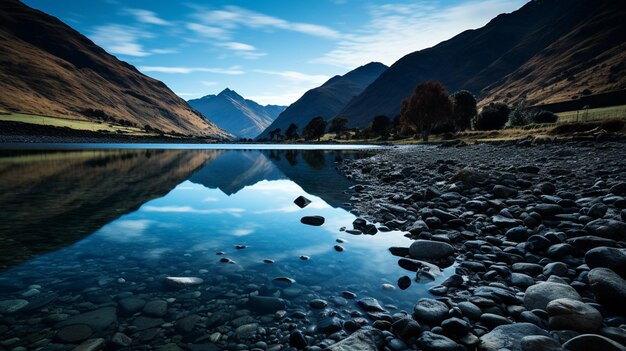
column 429, row 110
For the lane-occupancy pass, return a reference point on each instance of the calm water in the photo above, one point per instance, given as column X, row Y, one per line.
column 80, row 230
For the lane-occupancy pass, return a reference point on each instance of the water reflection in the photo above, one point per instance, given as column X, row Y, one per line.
column 130, row 218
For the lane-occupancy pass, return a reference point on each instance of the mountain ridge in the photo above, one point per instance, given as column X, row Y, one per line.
column 327, row 99
column 513, row 55
column 50, row 69
column 239, row 116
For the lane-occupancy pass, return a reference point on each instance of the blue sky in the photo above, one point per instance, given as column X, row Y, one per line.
column 269, row 51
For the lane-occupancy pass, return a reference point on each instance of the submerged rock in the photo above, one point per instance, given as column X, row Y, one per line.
column 12, row 306
column 302, row 201
column 182, row 282
column 362, row 340
column 312, row 220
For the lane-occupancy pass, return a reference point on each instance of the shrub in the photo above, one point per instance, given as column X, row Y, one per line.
column 493, row 116
column 519, row 114
column 613, row 125
column 544, row 116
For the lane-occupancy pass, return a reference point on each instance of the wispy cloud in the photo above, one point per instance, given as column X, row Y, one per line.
column 234, row 70
column 395, row 30
column 232, row 17
column 188, row 209
column 146, row 16
column 126, row 230
column 120, row 39
column 208, row 31
column 295, row 76
column 242, row 50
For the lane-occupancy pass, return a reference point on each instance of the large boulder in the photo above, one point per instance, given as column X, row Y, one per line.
column 363, row 340
column 430, row 311
column 427, row 249
column 539, row 295
column 609, row 288
column 568, row 314
column 608, row 257
column 607, row 228
column 589, row 342
column 508, row 337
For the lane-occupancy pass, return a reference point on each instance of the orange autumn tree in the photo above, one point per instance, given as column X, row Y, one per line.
column 429, row 106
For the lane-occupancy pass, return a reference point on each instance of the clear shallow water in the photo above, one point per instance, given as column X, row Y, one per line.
column 82, row 229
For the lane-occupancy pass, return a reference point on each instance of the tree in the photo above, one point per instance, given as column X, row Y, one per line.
column 275, row 134
column 428, row 106
column 315, row 129
column 493, row 116
column 292, row 132
column 337, row 125
column 464, row 109
column 381, row 125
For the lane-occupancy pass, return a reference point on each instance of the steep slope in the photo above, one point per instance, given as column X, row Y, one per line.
column 238, row 116
column 548, row 49
column 48, row 68
column 327, row 99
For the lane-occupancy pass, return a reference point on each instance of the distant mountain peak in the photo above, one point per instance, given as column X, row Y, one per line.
column 235, row 114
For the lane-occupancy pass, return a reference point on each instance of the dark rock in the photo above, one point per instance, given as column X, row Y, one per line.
column 329, row 324
column 186, row 324
column 404, row 282
column 607, row 257
column 370, row 304
column 97, row 320
column 302, row 201
column 493, row 320
column 503, row 222
column 338, row 248
column 539, row 295
column 312, row 220
column 504, row 192
column 619, row 189
column 469, row 310
column 573, row 315
column 508, row 337
column 407, row 328
column 517, row 234
column 155, row 308
column 588, row 342
column 429, row 341
column 607, row 228
column 74, row 333
column 609, row 288
column 362, row 340
column 318, row 303
column 548, row 210
column 130, row 305
column 266, row 304
column 455, row 327
column 540, row 343
column 430, row 311
column 297, row 340
column 182, row 282
column 427, row 249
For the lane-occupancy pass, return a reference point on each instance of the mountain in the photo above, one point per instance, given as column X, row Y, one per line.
column 327, row 99
column 48, row 68
column 550, row 50
column 238, row 116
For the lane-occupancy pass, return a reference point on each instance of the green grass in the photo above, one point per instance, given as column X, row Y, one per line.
column 593, row 114
column 72, row 123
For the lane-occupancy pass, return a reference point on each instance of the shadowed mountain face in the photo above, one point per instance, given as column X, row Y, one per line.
column 549, row 50
column 49, row 200
column 238, row 116
column 50, row 69
column 328, row 99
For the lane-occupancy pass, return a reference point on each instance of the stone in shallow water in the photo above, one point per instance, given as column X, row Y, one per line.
column 97, row 320
column 90, row 345
column 302, row 201
column 329, row 325
column 404, row 282
column 370, row 304
column 143, row 323
column 181, row 282
column 283, row 281
column 131, row 305
column 266, row 304
column 74, row 333
column 362, row 340
column 312, row 220
column 156, row 308
column 12, row 306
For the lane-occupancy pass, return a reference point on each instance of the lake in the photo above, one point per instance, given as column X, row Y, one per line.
column 90, row 238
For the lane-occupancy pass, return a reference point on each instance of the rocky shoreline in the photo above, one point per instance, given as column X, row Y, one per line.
column 536, row 233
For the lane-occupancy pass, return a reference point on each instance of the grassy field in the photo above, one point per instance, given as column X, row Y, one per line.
column 593, row 114
column 72, row 123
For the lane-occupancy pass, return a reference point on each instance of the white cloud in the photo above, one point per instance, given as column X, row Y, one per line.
column 188, row 209
column 395, row 30
column 120, row 39
column 283, row 99
column 164, row 51
column 208, row 31
column 148, row 17
column 232, row 17
column 234, row 70
column 126, row 230
column 294, row 76
column 242, row 50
